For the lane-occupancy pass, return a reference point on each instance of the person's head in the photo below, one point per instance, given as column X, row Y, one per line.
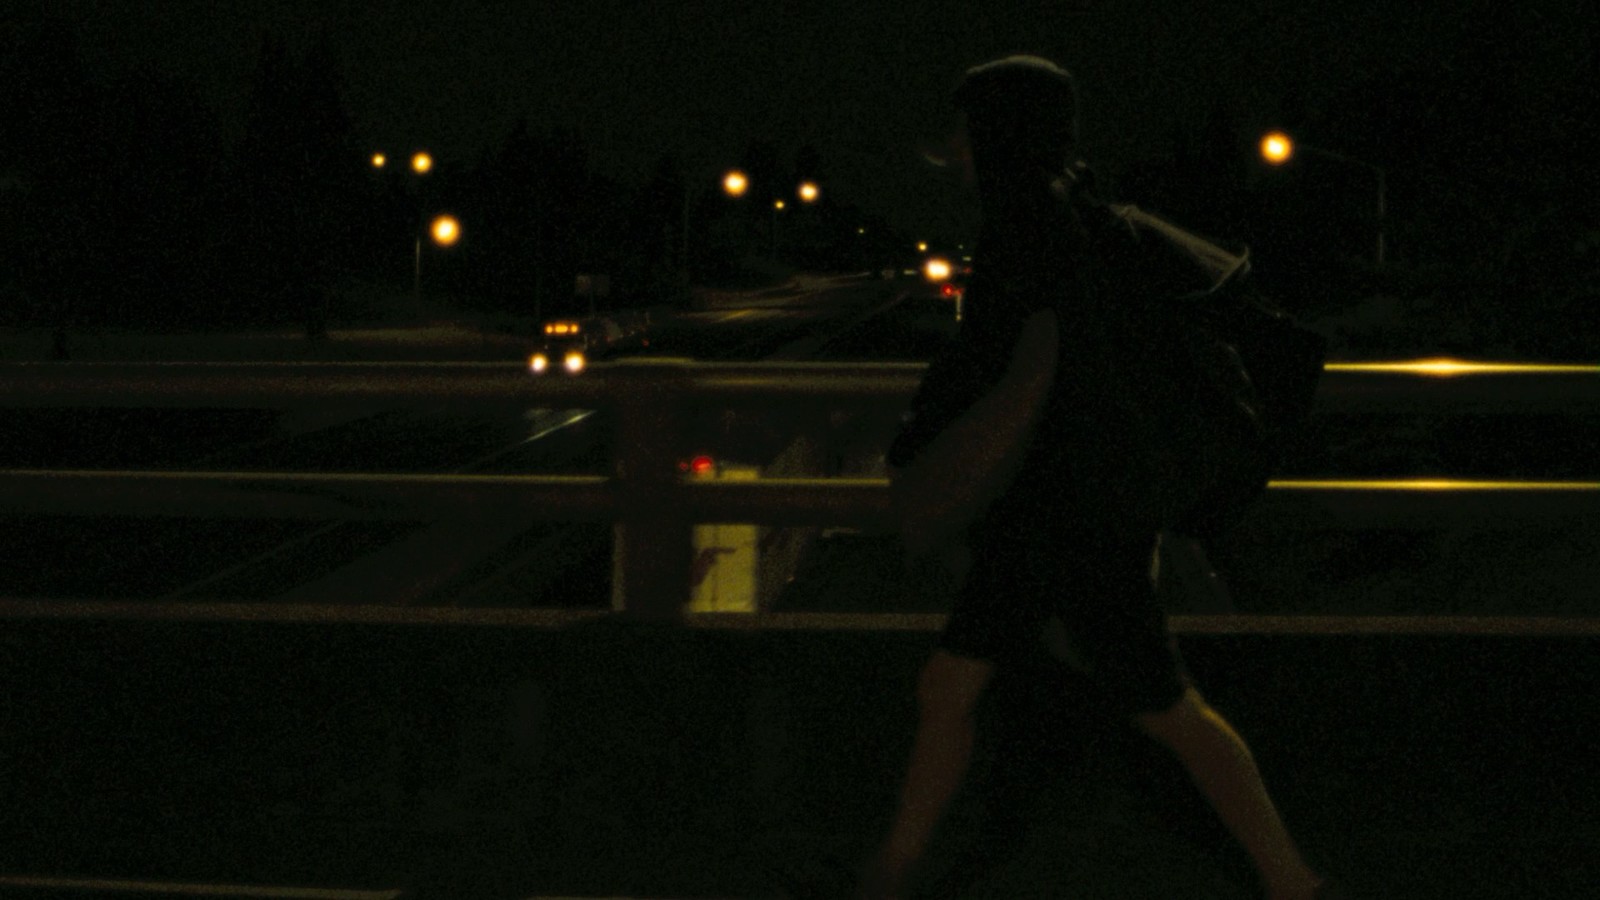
column 1021, row 117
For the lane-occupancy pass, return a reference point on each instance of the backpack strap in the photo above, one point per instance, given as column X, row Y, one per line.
column 1199, row 266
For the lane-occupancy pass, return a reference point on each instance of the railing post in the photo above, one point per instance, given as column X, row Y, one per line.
column 653, row 539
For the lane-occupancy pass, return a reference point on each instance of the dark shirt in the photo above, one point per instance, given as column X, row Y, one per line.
column 1033, row 253
column 1027, row 259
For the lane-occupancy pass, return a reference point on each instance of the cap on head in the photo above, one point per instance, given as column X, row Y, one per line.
column 1021, row 98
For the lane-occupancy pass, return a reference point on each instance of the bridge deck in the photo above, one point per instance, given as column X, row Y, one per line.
column 616, row 759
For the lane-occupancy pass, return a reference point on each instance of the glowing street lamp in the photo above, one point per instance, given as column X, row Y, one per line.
column 734, row 184
column 808, row 191
column 422, row 162
column 1278, row 148
column 445, row 230
column 379, row 160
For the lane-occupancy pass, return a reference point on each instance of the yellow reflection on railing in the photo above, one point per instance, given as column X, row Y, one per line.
column 1429, row 484
column 1445, row 368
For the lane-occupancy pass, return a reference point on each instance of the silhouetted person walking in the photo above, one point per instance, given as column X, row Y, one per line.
column 982, row 475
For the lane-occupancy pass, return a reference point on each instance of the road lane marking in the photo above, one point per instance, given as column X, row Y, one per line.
column 573, row 417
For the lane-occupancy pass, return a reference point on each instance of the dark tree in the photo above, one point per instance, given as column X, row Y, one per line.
column 161, row 182
column 49, row 206
column 658, row 255
column 300, row 184
column 541, row 219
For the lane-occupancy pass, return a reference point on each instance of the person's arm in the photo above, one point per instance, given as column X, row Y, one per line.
column 959, row 473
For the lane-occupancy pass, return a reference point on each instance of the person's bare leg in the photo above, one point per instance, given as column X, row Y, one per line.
column 1222, row 767
column 947, row 693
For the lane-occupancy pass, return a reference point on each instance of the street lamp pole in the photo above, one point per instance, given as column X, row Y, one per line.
column 422, row 164
column 416, row 274
column 1278, row 148
column 777, row 207
column 445, row 231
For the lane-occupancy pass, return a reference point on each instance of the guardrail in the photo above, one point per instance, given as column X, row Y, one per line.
column 645, row 494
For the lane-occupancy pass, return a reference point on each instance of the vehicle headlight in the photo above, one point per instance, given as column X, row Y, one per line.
column 574, row 362
column 538, row 362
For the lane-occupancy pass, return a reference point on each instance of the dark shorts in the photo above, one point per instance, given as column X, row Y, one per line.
column 1102, row 593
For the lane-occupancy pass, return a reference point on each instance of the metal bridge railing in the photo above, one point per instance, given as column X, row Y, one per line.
column 644, row 494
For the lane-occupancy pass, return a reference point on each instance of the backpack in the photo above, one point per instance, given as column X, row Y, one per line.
column 1199, row 393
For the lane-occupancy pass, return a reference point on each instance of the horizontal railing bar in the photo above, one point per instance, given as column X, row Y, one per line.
column 317, row 614
column 1428, row 503
column 267, row 385
column 1458, row 625
column 1381, row 391
column 291, row 385
column 290, row 495
column 860, row 502
column 104, row 886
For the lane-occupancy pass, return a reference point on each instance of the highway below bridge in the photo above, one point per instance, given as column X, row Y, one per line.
column 531, row 563
column 158, row 756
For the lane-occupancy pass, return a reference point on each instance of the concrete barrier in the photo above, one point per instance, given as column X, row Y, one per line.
column 660, row 760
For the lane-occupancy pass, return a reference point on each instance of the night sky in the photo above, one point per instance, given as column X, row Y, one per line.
column 862, row 81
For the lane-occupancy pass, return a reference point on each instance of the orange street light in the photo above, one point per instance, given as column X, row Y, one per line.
column 1277, row 147
column 445, row 230
column 421, row 163
column 809, row 191
column 379, row 160
column 734, row 184
column 778, row 204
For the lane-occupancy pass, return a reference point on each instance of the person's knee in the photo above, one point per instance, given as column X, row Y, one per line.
column 1187, row 713
column 951, row 685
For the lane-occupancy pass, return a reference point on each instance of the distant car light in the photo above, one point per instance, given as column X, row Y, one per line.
column 538, row 363
column 574, row 362
column 936, row 269
column 700, row 465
